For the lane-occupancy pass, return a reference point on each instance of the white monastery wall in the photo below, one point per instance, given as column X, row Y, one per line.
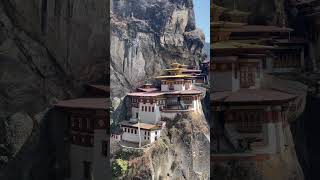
column 149, row 116
column 179, row 87
column 164, row 87
column 134, row 110
column 145, row 137
column 78, row 154
column 168, row 115
column 272, row 134
column 223, row 81
column 100, row 162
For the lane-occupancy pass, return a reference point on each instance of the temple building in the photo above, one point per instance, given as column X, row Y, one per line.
column 151, row 107
column 250, row 118
column 88, row 135
column 287, row 54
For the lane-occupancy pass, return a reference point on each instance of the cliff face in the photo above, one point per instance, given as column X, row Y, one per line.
column 48, row 50
column 147, row 36
column 260, row 11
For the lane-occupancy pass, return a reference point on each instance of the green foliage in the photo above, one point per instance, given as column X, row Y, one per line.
column 119, row 168
column 127, row 154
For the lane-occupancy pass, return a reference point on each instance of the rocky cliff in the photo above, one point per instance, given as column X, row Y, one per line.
column 264, row 12
column 48, row 50
column 148, row 35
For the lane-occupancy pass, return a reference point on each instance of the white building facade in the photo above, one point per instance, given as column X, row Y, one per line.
column 89, row 141
column 151, row 106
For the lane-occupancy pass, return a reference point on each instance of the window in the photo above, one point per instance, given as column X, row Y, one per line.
column 156, row 132
column 72, row 122
column 258, row 71
column 132, row 131
column 145, row 133
column 91, row 125
column 247, row 76
column 87, row 170
column 125, row 129
column 105, row 148
column 137, row 115
column 249, row 122
column 152, row 109
column 149, row 109
column 149, row 133
column 171, row 87
column 75, row 121
column 275, row 116
column 135, row 131
column 142, row 108
column 88, row 124
column 84, row 123
column 264, row 63
column 79, row 120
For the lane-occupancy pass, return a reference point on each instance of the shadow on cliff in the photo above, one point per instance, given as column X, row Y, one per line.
column 305, row 131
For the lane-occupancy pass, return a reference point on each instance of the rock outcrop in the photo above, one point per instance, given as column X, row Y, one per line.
column 259, row 11
column 147, row 36
column 48, row 50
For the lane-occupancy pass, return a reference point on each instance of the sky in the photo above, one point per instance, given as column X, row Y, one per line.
column 202, row 12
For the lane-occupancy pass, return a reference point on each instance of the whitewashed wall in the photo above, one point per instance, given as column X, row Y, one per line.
column 223, row 81
column 100, row 162
column 134, row 110
column 164, row 87
column 149, row 117
column 179, row 87
column 78, row 154
column 132, row 137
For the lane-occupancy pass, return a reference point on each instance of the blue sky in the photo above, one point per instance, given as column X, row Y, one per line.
column 202, row 12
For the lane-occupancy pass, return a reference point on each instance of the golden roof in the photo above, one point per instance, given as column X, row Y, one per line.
column 178, row 65
column 175, row 76
column 175, row 65
column 174, row 69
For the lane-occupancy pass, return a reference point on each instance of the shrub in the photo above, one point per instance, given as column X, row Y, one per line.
column 119, row 167
column 127, row 154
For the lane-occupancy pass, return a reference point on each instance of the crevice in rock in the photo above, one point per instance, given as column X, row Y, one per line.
column 44, row 16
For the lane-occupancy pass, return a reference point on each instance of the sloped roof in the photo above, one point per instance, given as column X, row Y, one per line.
column 251, row 95
column 100, row 87
column 237, row 45
column 85, row 103
column 146, row 94
column 148, row 89
column 144, row 126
